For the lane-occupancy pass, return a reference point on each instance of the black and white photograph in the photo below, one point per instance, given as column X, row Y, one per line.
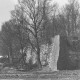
column 39, row 39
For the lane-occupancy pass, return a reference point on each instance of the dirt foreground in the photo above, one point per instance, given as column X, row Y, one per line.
column 57, row 75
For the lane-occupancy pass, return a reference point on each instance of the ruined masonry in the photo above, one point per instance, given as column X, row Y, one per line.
column 54, row 54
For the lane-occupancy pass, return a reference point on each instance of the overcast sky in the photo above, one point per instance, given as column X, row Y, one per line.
column 7, row 5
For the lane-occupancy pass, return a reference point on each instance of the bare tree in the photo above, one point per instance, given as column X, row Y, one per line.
column 34, row 10
column 32, row 15
column 71, row 15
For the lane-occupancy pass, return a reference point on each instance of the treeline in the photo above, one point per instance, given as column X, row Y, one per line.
column 35, row 22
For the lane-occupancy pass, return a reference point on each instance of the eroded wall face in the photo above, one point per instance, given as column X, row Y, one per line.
column 54, row 54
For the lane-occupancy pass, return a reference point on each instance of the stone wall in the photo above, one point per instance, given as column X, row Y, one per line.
column 54, row 54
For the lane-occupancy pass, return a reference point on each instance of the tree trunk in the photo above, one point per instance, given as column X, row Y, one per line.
column 10, row 55
column 38, row 58
column 10, row 52
column 10, row 59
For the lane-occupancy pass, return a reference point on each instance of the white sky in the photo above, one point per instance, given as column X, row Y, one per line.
column 7, row 5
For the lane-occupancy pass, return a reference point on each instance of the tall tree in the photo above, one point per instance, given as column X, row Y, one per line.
column 7, row 38
column 71, row 15
column 32, row 13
